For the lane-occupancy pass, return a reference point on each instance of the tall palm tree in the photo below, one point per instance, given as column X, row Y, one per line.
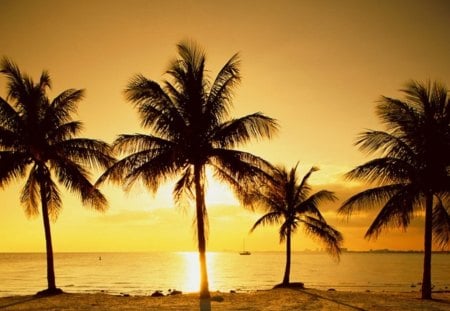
column 37, row 141
column 412, row 174
column 289, row 202
column 189, row 131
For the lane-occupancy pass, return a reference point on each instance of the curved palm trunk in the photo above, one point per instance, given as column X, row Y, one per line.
column 200, row 208
column 426, row 281
column 287, row 270
column 48, row 243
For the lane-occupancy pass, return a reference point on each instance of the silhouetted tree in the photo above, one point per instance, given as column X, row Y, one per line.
column 289, row 202
column 189, row 130
column 412, row 173
column 37, row 141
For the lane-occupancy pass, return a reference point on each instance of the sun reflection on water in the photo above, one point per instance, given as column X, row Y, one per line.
column 190, row 271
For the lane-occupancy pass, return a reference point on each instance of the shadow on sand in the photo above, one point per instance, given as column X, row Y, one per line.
column 205, row 304
column 19, row 301
column 329, row 299
column 41, row 294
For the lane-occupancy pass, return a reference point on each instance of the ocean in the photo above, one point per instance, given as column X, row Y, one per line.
column 144, row 273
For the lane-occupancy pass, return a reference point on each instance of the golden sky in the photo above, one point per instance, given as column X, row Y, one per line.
column 316, row 66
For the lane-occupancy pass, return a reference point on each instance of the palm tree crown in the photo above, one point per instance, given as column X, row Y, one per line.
column 289, row 202
column 37, row 141
column 188, row 118
column 412, row 174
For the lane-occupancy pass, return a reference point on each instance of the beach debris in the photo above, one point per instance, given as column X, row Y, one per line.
column 331, row 289
column 217, row 298
column 124, row 294
column 157, row 293
column 232, row 291
column 175, row 292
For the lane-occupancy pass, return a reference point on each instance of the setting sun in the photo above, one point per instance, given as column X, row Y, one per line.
column 191, row 271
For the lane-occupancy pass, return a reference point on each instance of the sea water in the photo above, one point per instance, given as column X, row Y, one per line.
column 144, row 273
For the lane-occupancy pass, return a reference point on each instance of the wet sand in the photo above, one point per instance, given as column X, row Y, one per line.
column 276, row 299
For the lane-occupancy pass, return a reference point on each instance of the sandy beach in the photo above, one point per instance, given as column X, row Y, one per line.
column 276, row 299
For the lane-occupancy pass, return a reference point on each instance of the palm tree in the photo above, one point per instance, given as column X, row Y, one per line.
column 412, row 173
column 37, row 141
column 289, row 202
column 190, row 131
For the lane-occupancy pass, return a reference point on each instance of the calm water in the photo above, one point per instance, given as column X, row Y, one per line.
column 143, row 273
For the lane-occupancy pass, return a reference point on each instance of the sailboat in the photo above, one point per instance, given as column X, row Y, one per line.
column 244, row 252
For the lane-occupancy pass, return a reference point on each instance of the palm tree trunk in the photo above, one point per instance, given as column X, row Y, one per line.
column 200, row 209
column 287, row 270
column 48, row 243
column 426, row 281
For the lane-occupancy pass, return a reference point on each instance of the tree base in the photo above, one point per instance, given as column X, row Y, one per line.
column 49, row 292
column 297, row 285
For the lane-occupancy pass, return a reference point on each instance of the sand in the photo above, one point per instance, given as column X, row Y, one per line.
column 276, row 299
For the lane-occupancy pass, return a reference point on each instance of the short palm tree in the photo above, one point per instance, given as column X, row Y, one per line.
column 37, row 141
column 189, row 131
column 289, row 203
column 412, row 174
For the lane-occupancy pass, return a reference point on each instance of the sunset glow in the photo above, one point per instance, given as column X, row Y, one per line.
column 316, row 67
column 191, row 271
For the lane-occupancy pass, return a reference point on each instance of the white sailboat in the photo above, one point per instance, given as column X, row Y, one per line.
column 244, row 252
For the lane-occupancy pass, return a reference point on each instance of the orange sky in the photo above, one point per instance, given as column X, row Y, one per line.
column 316, row 66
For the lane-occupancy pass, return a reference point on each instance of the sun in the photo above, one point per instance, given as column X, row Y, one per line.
column 191, row 271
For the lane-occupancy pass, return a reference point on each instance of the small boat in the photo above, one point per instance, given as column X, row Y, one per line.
column 244, row 252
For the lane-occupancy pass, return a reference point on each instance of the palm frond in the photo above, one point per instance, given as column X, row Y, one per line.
column 385, row 143
column 30, row 195
column 128, row 169
column 12, row 72
column 382, row 171
column 188, row 78
column 303, row 189
column 270, row 218
column 441, row 224
column 64, row 131
column 45, row 81
column 219, row 99
column 368, row 199
column 241, row 170
column 326, row 234
column 64, row 106
column 75, row 178
column 132, row 143
column 398, row 116
column 90, row 152
column 13, row 165
column 418, row 94
column 241, row 130
column 155, row 107
column 54, row 202
column 9, row 140
column 396, row 212
column 9, row 118
column 183, row 189
column 240, row 175
column 192, row 56
column 311, row 204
